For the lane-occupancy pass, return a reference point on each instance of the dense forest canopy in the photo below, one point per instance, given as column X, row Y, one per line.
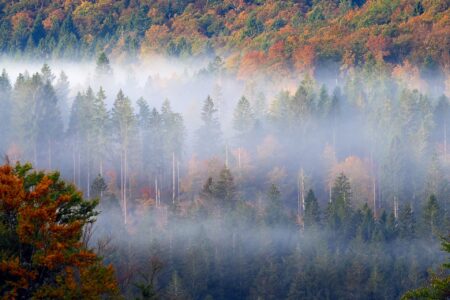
column 238, row 149
column 253, row 36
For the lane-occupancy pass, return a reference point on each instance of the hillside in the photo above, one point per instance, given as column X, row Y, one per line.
column 275, row 36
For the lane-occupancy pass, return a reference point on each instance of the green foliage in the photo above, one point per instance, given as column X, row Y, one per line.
column 439, row 286
column 274, row 209
column 253, row 26
column 243, row 119
column 312, row 212
column 209, row 134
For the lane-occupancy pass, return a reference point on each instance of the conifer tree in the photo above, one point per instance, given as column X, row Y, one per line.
column 312, row 212
column 243, row 119
column 225, row 189
column 208, row 135
column 432, row 218
column 406, row 222
column 274, row 209
column 123, row 121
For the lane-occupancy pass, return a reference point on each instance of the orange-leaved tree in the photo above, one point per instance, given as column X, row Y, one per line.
column 41, row 225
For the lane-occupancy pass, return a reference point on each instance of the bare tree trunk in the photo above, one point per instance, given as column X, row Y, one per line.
column 374, row 196
column 330, row 193
column 173, row 177
column 89, row 173
column 125, row 185
column 178, row 180
column 298, row 195
column 121, row 179
column 374, row 184
column 395, row 207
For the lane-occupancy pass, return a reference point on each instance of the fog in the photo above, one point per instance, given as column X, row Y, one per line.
column 150, row 170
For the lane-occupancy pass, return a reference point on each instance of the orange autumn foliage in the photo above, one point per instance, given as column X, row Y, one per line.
column 41, row 254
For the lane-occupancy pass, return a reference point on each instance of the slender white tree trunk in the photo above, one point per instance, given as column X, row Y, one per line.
column 173, row 177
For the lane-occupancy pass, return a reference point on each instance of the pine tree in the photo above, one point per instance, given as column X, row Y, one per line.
column 100, row 126
column 432, row 218
column 312, row 212
column 62, row 89
column 38, row 30
column 367, row 227
column 243, row 119
column 339, row 211
column 173, row 131
column 48, row 122
column 406, row 222
column 144, row 124
column 123, row 121
column 441, row 116
column 225, row 189
column 98, row 187
column 274, row 209
column 209, row 134
column 103, row 66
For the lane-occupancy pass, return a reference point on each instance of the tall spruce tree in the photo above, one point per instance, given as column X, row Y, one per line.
column 123, row 120
column 311, row 216
column 209, row 134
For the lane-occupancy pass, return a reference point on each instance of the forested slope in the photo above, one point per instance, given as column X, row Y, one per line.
column 281, row 36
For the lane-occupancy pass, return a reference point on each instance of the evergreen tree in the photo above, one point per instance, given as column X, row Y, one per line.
column 441, row 117
column 209, row 133
column 98, row 187
column 225, row 189
column 144, row 123
column 439, row 286
column 243, row 119
column 312, row 212
column 38, row 30
column 339, row 211
column 367, row 226
column 406, row 222
column 432, row 218
column 123, row 121
column 103, row 66
column 274, row 209
column 100, row 129
column 48, row 122
column 62, row 90
column 173, row 131
column 47, row 74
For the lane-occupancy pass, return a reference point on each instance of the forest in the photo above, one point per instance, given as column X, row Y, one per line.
column 325, row 191
column 237, row 149
column 254, row 36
